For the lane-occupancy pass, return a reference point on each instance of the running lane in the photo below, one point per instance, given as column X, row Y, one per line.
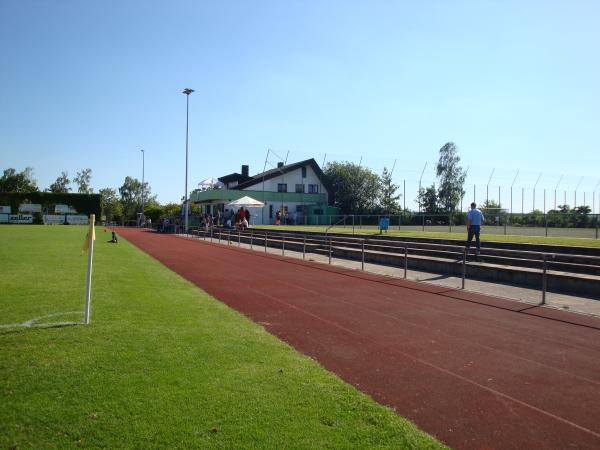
column 474, row 371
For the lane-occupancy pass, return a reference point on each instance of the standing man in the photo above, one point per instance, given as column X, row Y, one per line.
column 474, row 221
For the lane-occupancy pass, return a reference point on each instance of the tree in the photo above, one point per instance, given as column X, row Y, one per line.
column 131, row 197
column 111, row 206
column 389, row 201
column 428, row 199
column 451, row 177
column 356, row 189
column 61, row 185
column 12, row 181
column 83, row 178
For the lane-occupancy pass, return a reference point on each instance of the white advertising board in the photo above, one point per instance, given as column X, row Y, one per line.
column 20, row 218
column 3, row 218
column 30, row 207
column 4, row 209
column 77, row 220
column 61, row 209
column 54, row 219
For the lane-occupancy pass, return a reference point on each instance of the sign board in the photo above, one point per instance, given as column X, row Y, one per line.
column 30, row 207
column 77, row 220
column 20, row 218
column 4, row 209
column 3, row 218
column 54, row 219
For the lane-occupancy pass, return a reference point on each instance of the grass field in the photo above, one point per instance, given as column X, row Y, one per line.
column 570, row 241
column 162, row 364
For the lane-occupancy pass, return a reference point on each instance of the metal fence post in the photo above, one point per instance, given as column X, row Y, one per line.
column 229, row 238
column 450, row 222
column 360, row 221
column 219, row 236
column 405, row 261
column 304, row 248
column 464, row 268
column 329, row 250
column 266, row 242
column 251, row 239
column 544, row 278
column 239, row 238
column 546, row 220
column 399, row 220
column 283, row 246
column 423, row 222
column 352, row 224
column 362, row 260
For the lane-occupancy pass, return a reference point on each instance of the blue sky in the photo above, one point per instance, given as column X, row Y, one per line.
column 513, row 84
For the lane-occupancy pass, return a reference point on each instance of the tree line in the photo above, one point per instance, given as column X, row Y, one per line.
column 119, row 205
column 358, row 190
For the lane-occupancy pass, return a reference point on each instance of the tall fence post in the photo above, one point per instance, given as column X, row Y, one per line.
column 219, row 236
column 266, row 242
column 352, row 224
column 211, row 235
column 362, row 259
column 360, row 221
column 251, row 239
column 544, row 278
column 423, row 222
column 399, row 220
column 546, row 220
column 283, row 246
column 304, row 248
column 229, row 238
column 597, row 220
column 405, row 261
column 464, row 268
column 329, row 250
column 450, row 222
column 239, row 238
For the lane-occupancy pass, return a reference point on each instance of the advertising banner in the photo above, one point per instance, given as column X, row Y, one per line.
column 54, row 219
column 4, row 210
column 77, row 220
column 20, row 218
column 64, row 209
column 30, row 207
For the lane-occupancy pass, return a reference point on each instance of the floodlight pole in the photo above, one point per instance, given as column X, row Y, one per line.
column 143, row 169
column 511, row 188
column 575, row 197
column 559, row 180
column 534, row 186
column 187, row 92
column 420, row 178
column 487, row 188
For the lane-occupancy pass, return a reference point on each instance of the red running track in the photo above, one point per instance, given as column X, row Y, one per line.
column 474, row 371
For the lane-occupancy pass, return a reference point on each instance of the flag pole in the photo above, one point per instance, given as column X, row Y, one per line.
column 88, row 285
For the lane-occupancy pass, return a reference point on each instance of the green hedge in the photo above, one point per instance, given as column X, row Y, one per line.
column 83, row 203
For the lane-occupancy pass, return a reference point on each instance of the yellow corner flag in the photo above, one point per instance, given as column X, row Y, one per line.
column 91, row 234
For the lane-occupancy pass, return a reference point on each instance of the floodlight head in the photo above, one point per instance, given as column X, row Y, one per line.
column 187, row 91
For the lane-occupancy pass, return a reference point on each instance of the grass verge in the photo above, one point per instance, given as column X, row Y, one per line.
column 162, row 364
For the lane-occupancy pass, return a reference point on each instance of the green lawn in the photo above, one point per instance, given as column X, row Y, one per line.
column 162, row 364
column 570, row 241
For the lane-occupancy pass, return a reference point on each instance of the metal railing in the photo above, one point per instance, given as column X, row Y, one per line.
column 332, row 247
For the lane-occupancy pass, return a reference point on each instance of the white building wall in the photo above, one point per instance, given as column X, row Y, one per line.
column 291, row 179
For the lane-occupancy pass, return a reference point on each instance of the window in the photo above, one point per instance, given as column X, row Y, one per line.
column 304, row 172
column 282, row 187
column 313, row 188
column 300, row 188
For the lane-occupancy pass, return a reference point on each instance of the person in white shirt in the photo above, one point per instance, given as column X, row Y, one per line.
column 474, row 221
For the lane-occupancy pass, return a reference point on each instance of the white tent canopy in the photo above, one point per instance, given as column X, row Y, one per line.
column 246, row 202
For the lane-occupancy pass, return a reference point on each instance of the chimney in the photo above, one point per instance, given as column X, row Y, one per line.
column 245, row 170
column 279, row 165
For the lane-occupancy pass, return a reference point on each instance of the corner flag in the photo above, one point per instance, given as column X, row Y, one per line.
column 88, row 245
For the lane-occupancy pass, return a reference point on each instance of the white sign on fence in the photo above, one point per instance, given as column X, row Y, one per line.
column 64, row 209
column 4, row 210
column 30, row 207
column 77, row 220
column 3, row 218
column 54, row 219
column 20, row 218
